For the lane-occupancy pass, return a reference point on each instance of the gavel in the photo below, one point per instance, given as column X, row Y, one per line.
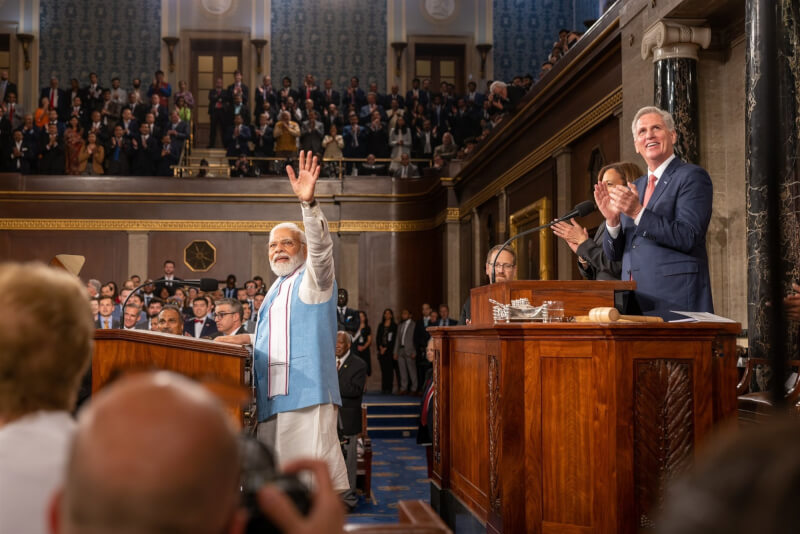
column 612, row 315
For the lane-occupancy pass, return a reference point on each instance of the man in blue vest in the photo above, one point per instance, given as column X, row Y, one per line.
column 297, row 386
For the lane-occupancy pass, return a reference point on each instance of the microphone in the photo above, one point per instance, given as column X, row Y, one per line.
column 580, row 210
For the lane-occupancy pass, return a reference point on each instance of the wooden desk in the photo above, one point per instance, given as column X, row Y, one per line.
column 575, row 428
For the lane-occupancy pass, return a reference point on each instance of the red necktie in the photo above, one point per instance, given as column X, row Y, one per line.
column 199, row 321
column 425, row 404
column 52, row 98
column 651, row 186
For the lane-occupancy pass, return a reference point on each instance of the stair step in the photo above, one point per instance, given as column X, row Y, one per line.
column 391, row 415
column 385, row 433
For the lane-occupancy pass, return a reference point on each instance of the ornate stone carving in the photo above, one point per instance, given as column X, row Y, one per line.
column 663, row 433
column 669, row 40
column 494, row 433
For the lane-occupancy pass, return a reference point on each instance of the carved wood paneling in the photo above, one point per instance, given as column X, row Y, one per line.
column 437, row 414
column 494, row 433
column 663, row 431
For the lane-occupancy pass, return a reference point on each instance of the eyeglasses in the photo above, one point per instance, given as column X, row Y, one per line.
column 503, row 266
column 221, row 315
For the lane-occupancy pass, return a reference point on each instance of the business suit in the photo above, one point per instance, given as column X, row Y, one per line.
column 241, row 330
column 22, row 163
column 412, row 171
column 347, row 320
column 114, row 322
column 208, row 330
column 598, row 267
column 144, row 156
column 666, row 253
column 406, row 352
column 352, row 379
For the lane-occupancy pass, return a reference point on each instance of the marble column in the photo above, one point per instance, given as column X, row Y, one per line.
column 772, row 152
column 138, row 248
column 477, row 257
column 673, row 48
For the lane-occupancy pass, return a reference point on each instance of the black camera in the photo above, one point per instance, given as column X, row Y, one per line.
column 258, row 469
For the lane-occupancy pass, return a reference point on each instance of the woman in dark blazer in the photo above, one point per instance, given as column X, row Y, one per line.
column 386, row 336
column 362, row 341
column 592, row 261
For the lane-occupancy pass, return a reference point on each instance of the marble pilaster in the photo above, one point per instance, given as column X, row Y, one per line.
column 566, row 258
column 673, row 48
column 138, row 248
column 771, row 115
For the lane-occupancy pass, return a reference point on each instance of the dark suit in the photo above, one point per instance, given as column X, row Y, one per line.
column 422, row 97
column 387, row 101
column 52, row 161
column 326, row 99
column 61, row 103
column 209, row 327
column 245, row 93
column 666, row 253
column 217, row 98
column 269, row 95
column 144, row 157
column 358, row 98
column 22, row 164
column 599, row 266
column 114, row 322
column 215, row 335
column 347, row 321
column 11, row 87
column 171, row 285
column 352, row 378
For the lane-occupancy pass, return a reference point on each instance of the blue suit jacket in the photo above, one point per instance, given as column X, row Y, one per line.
column 666, row 253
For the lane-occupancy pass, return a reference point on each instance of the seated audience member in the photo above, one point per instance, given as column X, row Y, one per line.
column 406, row 168
column 448, row 148
column 200, row 325
column 168, row 156
column 45, row 347
column 145, row 152
column 592, row 261
column 286, row 132
column 372, row 168
column 242, row 168
column 170, row 321
column 439, row 165
column 20, row 156
column 190, row 486
column 117, row 163
column 92, row 156
column 105, row 309
column 229, row 318
column 130, row 317
column 52, row 152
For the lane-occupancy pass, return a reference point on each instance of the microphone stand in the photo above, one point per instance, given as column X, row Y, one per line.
column 526, row 232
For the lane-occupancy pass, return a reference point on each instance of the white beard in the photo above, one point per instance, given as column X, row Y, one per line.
column 283, row 269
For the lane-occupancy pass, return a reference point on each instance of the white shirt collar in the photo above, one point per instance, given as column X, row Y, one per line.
column 663, row 167
column 340, row 361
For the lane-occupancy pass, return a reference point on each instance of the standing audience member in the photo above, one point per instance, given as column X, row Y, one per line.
column 92, row 156
column 332, row 144
column 385, row 341
column 217, row 102
column 352, row 373
column 160, row 88
column 45, row 347
column 400, row 141
column 362, row 341
column 405, row 353
column 425, row 429
column 105, row 308
column 286, row 132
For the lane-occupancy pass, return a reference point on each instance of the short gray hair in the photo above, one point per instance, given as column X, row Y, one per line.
column 496, row 249
column 236, row 306
column 666, row 116
column 301, row 235
column 346, row 335
column 497, row 85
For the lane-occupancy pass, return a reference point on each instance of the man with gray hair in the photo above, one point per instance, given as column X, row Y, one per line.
column 297, row 389
column 352, row 379
column 504, row 97
column 658, row 226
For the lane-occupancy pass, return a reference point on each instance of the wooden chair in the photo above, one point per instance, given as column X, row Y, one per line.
column 364, row 466
column 756, row 407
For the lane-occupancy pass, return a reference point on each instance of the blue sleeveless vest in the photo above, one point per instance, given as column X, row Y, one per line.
column 312, row 365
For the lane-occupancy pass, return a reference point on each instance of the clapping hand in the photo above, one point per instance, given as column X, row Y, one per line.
column 792, row 303
column 603, row 200
column 573, row 233
column 304, row 183
column 626, row 200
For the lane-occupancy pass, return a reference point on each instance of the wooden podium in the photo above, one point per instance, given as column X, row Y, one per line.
column 574, row 427
column 219, row 366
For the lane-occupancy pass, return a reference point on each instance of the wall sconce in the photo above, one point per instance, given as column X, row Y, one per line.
column 171, row 42
column 26, row 39
column 259, row 44
column 483, row 50
column 398, row 54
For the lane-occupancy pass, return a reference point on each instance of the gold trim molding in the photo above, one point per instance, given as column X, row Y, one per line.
column 539, row 213
column 591, row 118
column 157, row 225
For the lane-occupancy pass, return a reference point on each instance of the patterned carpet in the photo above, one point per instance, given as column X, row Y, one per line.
column 399, row 473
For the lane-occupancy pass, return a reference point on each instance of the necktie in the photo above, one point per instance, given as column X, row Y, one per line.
column 52, row 98
column 651, row 186
column 198, row 320
column 107, row 324
column 425, row 404
column 338, row 364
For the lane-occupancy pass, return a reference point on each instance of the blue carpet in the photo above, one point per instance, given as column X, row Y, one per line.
column 399, row 473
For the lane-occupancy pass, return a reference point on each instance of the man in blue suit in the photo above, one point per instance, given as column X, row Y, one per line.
column 658, row 226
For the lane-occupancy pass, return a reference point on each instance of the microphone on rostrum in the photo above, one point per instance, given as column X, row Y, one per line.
column 204, row 284
column 580, row 210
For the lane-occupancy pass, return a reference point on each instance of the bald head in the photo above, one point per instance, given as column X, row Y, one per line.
column 153, row 453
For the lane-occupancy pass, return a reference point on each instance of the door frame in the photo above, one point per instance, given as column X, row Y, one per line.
column 472, row 63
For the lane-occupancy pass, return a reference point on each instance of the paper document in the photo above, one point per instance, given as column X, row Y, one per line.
column 704, row 317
